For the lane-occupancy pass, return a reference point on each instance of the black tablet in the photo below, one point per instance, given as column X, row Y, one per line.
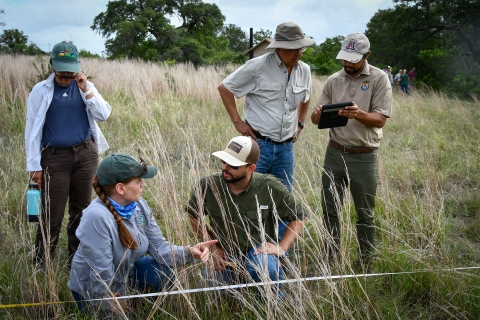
column 330, row 118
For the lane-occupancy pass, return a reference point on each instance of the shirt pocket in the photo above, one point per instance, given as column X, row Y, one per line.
column 255, row 222
column 220, row 221
column 299, row 93
column 268, row 92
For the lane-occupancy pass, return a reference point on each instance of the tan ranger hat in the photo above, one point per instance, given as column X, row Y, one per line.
column 289, row 36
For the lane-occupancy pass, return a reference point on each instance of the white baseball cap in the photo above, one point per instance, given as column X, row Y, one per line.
column 354, row 47
column 240, row 151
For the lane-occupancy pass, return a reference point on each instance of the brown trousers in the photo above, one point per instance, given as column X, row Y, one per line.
column 67, row 175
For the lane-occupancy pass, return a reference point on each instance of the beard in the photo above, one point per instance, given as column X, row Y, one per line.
column 352, row 70
column 232, row 178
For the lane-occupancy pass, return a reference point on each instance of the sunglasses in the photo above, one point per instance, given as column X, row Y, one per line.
column 59, row 77
column 233, row 167
column 144, row 166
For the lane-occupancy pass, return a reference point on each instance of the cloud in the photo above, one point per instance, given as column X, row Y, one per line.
column 47, row 22
column 317, row 19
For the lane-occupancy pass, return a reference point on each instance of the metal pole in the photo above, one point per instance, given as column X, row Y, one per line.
column 251, row 43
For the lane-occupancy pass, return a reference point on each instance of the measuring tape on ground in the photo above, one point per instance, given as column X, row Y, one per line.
column 236, row 286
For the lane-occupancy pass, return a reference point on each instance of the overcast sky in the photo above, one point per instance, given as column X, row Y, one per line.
column 47, row 22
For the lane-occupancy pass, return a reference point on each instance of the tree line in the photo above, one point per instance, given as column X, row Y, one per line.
column 438, row 37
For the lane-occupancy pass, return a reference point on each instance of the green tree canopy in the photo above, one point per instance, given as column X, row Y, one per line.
column 83, row 53
column 321, row 58
column 440, row 38
column 237, row 38
column 143, row 29
column 435, row 19
column 13, row 40
column 261, row 34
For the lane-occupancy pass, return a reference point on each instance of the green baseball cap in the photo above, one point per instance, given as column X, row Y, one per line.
column 65, row 57
column 119, row 167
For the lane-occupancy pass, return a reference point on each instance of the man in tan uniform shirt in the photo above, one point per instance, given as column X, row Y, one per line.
column 351, row 156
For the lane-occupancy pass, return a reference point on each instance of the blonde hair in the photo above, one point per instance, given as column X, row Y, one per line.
column 102, row 192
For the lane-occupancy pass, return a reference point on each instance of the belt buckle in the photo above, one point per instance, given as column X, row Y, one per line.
column 345, row 149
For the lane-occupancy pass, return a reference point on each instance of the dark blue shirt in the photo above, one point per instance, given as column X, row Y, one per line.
column 66, row 121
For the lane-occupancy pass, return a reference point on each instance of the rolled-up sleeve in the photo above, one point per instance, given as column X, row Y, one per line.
column 97, row 106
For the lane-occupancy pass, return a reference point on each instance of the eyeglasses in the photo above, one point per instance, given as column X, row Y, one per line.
column 59, row 77
column 144, row 166
column 233, row 167
column 297, row 50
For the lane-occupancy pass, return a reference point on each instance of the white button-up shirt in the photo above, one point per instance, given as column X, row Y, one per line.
column 37, row 106
column 271, row 98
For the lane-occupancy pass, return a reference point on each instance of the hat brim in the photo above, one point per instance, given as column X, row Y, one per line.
column 296, row 44
column 151, row 172
column 228, row 158
column 66, row 66
column 349, row 56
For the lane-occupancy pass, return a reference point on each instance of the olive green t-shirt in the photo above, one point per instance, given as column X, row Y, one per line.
column 242, row 221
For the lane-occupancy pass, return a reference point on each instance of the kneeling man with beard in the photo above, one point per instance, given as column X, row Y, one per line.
column 243, row 208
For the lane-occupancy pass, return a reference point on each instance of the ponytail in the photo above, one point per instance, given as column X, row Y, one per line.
column 125, row 237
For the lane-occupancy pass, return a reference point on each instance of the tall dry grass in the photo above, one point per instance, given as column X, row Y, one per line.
column 427, row 205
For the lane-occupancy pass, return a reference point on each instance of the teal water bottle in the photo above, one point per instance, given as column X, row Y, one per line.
column 34, row 202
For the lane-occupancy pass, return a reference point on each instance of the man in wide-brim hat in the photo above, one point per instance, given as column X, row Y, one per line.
column 277, row 87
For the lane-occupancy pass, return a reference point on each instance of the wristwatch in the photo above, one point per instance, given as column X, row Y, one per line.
column 300, row 124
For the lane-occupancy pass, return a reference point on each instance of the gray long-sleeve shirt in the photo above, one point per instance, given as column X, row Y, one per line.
column 102, row 264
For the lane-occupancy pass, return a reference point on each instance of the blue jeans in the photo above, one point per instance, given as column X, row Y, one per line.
column 147, row 272
column 279, row 160
column 257, row 266
column 404, row 88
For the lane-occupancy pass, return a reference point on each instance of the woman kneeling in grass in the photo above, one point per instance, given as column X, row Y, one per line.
column 116, row 232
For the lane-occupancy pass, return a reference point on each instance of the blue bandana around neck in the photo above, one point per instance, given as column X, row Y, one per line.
column 124, row 211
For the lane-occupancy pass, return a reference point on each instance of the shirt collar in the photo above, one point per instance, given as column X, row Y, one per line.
column 277, row 59
column 280, row 63
column 50, row 79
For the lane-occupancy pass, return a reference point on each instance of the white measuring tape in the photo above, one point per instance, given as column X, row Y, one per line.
column 237, row 286
column 259, row 284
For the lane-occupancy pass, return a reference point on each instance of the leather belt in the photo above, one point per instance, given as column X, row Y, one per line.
column 267, row 139
column 83, row 143
column 352, row 150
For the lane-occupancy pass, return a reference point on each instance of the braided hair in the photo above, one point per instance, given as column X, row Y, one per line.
column 102, row 192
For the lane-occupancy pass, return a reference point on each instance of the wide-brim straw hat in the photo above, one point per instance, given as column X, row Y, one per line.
column 290, row 36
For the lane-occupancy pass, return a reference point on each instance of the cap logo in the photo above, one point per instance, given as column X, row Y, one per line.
column 351, row 45
column 67, row 54
column 235, row 146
